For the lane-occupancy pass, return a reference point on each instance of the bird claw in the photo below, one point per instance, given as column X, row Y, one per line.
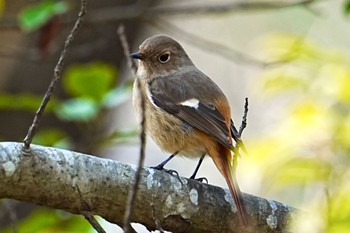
column 169, row 171
column 200, row 179
column 172, row 172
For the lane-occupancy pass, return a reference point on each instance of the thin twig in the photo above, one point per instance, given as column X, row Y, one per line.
column 244, row 118
column 12, row 214
column 217, row 48
column 133, row 191
column 121, row 33
column 56, row 76
column 156, row 220
column 88, row 216
column 93, row 222
column 228, row 7
column 139, row 9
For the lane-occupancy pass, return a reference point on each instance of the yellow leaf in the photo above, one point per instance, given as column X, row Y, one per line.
column 2, row 7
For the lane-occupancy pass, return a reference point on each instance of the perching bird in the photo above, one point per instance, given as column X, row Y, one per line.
column 186, row 112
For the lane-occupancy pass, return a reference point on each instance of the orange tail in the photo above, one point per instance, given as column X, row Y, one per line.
column 226, row 163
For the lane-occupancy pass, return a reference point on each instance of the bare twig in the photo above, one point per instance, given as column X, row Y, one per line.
column 139, row 9
column 211, row 46
column 131, row 62
column 12, row 215
column 56, row 76
column 87, row 214
column 244, row 118
column 133, row 191
column 230, row 7
column 156, row 220
column 93, row 222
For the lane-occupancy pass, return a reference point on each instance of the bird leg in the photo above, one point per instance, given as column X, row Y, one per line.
column 193, row 176
column 160, row 167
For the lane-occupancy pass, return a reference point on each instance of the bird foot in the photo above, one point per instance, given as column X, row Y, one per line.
column 200, row 179
column 169, row 171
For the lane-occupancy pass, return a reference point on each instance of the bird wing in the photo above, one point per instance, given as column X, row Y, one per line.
column 193, row 100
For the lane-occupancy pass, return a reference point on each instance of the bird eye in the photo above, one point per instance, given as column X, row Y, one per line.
column 164, row 57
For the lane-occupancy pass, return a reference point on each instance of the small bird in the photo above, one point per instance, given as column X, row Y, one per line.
column 186, row 112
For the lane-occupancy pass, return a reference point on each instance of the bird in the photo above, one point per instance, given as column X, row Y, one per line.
column 186, row 113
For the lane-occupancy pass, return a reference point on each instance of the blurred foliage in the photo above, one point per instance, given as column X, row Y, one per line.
column 24, row 101
column 309, row 150
column 92, row 91
column 51, row 221
column 77, row 109
column 2, row 7
column 34, row 16
column 93, row 80
column 52, row 137
column 347, row 7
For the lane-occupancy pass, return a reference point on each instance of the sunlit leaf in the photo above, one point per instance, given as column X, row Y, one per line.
column 279, row 83
column 339, row 208
column 287, row 48
column 310, row 114
column 283, row 47
column 35, row 16
column 51, row 221
column 79, row 109
column 307, row 152
column 342, row 136
column 343, row 79
column 2, row 7
column 302, row 171
column 93, row 80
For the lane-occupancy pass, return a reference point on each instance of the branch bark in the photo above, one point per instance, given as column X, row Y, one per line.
column 78, row 183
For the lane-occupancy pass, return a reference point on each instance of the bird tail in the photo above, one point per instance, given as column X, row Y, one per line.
column 232, row 183
column 226, row 163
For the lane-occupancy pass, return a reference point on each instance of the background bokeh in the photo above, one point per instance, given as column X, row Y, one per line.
column 291, row 61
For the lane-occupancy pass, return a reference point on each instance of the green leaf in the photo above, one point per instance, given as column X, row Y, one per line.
column 79, row 109
column 44, row 220
column 347, row 8
column 33, row 17
column 93, row 80
column 303, row 170
column 278, row 83
column 117, row 96
column 52, row 137
column 24, row 101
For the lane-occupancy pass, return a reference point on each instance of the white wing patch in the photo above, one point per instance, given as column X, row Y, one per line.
column 192, row 103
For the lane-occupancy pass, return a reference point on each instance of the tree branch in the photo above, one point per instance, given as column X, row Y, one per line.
column 141, row 10
column 76, row 183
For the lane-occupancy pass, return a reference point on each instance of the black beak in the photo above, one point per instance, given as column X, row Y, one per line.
column 137, row 55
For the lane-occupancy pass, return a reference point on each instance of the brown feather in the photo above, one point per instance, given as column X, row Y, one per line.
column 225, row 163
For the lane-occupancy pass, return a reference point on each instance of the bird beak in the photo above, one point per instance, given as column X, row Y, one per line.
column 137, row 55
